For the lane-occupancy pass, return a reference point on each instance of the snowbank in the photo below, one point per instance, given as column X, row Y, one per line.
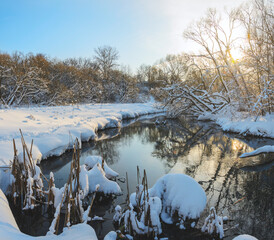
column 179, row 193
column 10, row 231
column 237, row 122
column 54, row 129
column 245, row 237
column 264, row 149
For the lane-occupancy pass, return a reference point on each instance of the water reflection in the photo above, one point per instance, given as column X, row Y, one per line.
column 239, row 188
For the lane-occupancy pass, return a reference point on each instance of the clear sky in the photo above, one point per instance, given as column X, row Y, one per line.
column 143, row 31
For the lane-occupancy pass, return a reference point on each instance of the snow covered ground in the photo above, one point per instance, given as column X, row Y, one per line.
column 54, row 129
column 237, row 122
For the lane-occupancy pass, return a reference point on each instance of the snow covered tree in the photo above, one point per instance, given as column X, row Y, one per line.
column 246, row 84
column 21, row 82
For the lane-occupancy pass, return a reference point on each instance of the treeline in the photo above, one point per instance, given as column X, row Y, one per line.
column 188, row 83
column 37, row 79
column 217, row 78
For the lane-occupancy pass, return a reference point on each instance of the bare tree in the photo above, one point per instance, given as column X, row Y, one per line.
column 174, row 67
column 258, row 22
column 246, row 84
column 106, row 58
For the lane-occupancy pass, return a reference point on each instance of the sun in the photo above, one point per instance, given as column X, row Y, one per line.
column 236, row 54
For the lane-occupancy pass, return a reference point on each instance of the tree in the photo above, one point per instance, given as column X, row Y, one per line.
column 106, row 58
column 5, row 69
column 174, row 67
column 258, row 22
column 247, row 84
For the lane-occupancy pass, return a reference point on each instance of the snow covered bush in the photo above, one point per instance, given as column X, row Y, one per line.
column 174, row 199
column 85, row 179
column 27, row 184
column 182, row 198
column 214, row 224
column 144, row 217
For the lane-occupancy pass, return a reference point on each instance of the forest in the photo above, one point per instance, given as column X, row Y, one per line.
column 234, row 67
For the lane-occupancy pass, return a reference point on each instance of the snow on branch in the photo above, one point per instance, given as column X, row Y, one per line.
column 264, row 149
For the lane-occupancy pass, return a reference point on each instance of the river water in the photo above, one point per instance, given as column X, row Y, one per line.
column 241, row 189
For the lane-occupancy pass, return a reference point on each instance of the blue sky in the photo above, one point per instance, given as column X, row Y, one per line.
column 143, row 31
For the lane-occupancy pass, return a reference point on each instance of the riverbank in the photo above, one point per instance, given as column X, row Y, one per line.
column 237, row 122
column 54, row 129
column 176, row 148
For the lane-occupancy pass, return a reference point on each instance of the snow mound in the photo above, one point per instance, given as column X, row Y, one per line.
column 178, row 193
column 264, row 149
column 91, row 161
column 89, row 179
column 111, row 236
column 245, row 237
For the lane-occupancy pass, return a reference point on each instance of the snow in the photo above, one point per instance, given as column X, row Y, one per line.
column 232, row 121
column 118, row 213
column 58, row 195
column 264, row 149
column 54, row 129
column 97, row 218
column 53, row 223
column 245, row 237
column 96, row 176
column 178, row 192
column 174, row 198
column 90, row 161
column 10, row 231
column 6, row 214
column 131, row 221
column 6, row 179
column 111, row 236
column 155, row 211
column 214, row 224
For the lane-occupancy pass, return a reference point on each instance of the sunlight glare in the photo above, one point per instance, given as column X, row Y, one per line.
column 236, row 54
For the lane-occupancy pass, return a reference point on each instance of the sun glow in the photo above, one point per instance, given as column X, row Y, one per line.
column 236, row 54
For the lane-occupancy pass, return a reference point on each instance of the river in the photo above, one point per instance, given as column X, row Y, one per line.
column 241, row 189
